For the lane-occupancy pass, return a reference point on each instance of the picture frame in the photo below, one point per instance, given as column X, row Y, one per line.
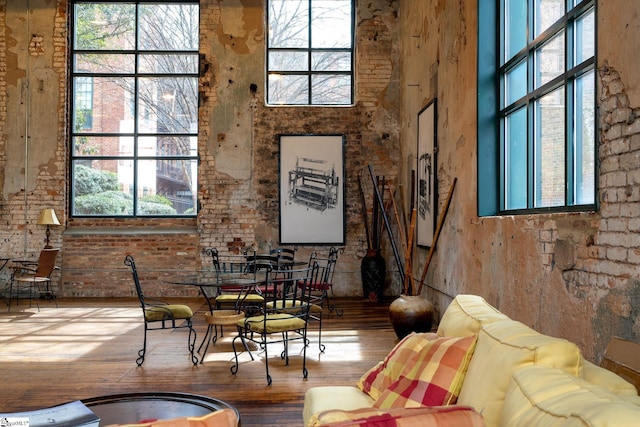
column 312, row 192
column 426, row 177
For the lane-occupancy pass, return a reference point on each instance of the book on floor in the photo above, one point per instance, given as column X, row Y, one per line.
column 72, row 414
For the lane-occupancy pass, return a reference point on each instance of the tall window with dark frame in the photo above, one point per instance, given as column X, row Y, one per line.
column 546, row 108
column 134, row 113
column 310, row 53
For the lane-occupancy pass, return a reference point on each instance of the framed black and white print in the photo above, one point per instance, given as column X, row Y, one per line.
column 312, row 208
column 426, row 175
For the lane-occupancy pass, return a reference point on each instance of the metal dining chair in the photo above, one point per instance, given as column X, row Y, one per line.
column 158, row 314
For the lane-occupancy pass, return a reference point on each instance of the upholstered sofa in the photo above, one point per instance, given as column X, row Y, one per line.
column 503, row 372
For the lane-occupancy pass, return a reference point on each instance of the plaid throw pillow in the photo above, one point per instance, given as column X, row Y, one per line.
column 435, row 378
column 451, row 416
column 381, row 376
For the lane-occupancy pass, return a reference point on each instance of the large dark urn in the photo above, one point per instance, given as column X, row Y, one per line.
column 410, row 314
column 373, row 269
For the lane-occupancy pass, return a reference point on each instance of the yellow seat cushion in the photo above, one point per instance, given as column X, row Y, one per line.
column 233, row 298
column 502, row 348
column 169, row 311
column 465, row 316
column 319, row 399
column 274, row 323
column 551, row 397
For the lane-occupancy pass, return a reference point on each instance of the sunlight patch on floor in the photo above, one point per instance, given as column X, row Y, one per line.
column 54, row 335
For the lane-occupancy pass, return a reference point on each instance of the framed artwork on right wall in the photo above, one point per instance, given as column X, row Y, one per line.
column 426, row 190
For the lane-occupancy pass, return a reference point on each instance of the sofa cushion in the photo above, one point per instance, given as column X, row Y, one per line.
column 434, row 378
column 551, row 397
column 381, row 376
column 604, row 378
column 465, row 316
column 454, row 416
column 318, row 399
column 503, row 347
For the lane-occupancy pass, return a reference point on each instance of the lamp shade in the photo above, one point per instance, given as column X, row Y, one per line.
column 48, row 217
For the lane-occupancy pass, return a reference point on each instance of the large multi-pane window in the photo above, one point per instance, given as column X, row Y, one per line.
column 310, row 52
column 544, row 81
column 134, row 115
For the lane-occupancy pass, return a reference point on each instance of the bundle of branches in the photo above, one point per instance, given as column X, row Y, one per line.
column 373, row 228
column 379, row 218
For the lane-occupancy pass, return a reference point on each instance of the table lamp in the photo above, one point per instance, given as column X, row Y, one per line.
column 48, row 217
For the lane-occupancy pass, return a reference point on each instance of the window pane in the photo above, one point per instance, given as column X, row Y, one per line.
column 516, row 86
column 101, row 187
column 515, row 12
column 331, row 24
column 288, row 23
column 169, row 145
column 168, row 64
column 102, row 26
column 516, row 160
column 104, row 63
column 169, row 27
column 288, row 61
column 93, row 146
column 331, row 89
column 168, row 105
column 585, row 37
column 110, row 112
column 550, row 150
column 585, row 139
column 331, row 61
column 288, row 89
column 166, row 187
column 550, row 60
column 547, row 12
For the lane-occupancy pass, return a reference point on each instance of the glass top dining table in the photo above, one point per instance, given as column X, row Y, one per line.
column 210, row 282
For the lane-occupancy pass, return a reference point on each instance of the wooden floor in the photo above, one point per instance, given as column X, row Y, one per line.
column 88, row 347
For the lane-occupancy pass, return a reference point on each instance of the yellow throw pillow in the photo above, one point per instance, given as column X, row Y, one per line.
column 381, row 376
column 435, row 378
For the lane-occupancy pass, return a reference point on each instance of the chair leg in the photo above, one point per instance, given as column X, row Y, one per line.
column 141, row 352
column 305, row 372
column 266, row 360
column 320, row 345
column 333, row 306
column 192, row 343
column 206, row 339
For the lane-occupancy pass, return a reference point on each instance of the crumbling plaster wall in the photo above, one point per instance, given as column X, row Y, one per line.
column 32, row 128
column 568, row 275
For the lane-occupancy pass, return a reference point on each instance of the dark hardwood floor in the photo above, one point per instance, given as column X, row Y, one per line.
column 88, row 347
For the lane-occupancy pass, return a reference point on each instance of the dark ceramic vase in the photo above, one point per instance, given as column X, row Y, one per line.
column 373, row 270
column 410, row 314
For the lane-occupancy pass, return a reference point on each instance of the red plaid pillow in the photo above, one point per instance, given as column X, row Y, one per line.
column 381, row 376
column 435, row 378
column 454, row 416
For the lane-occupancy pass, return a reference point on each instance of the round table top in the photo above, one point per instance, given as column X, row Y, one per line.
column 129, row 408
